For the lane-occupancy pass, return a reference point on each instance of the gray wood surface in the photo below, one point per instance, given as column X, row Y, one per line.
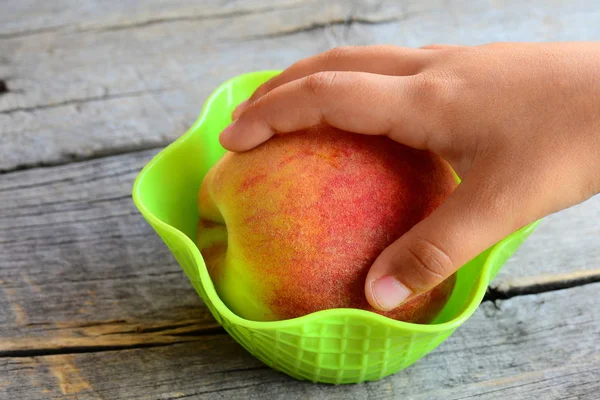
column 81, row 272
column 73, row 229
column 565, row 247
column 93, row 306
column 74, row 251
column 89, row 78
column 528, row 347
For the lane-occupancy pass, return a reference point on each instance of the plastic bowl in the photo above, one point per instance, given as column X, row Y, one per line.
column 332, row 346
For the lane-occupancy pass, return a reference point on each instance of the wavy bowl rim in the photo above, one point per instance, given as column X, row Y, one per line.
column 226, row 314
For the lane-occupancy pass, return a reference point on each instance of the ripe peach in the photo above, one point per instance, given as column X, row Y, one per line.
column 292, row 226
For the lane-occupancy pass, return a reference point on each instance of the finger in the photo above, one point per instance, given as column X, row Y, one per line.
column 384, row 60
column 473, row 218
column 352, row 101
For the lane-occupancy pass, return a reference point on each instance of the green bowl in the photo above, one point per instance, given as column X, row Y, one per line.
column 331, row 346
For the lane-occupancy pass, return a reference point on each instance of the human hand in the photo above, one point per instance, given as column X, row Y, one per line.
column 519, row 123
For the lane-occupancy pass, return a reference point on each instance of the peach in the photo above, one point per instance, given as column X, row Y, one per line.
column 292, row 226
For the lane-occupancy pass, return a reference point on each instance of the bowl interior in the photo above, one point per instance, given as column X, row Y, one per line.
column 166, row 194
column 168, row 186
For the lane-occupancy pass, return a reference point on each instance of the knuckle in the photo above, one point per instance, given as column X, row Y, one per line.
column 337, row 53
column 438, row 96
column 430, row 90
column 318, row 83
column 430, row 262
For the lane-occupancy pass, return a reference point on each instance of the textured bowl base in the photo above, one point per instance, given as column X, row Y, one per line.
column 332, row 353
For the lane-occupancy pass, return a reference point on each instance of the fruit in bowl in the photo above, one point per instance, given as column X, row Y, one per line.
column 343, row 345
column 292, row 227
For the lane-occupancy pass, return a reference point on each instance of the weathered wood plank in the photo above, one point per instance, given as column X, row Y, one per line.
column 30, row 18
column 544, row 346
column 98, row 79
column 78, row 337
column 74, row 251
column 81, row 103
column 76, row 257
column 81, row 272
column 565, row 247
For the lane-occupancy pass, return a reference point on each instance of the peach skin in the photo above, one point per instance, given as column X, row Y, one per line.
column 292, row 226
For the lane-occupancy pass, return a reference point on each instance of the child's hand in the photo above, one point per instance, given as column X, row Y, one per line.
column 520, row 123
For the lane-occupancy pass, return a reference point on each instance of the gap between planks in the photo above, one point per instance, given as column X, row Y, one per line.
column 540, row 284
column 116, row 335
column 74, row 158
column 99, row 336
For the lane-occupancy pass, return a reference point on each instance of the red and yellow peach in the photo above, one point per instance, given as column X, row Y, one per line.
column 292, row 226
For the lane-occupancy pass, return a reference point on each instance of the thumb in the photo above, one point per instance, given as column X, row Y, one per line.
column 474, row 217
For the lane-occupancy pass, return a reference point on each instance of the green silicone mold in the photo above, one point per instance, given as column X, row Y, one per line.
column 331, row 346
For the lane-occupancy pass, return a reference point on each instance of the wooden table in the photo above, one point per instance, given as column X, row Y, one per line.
column 92, row 305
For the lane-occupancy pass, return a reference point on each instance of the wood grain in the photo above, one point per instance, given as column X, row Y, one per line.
column 93, row 306
column 81, row 274
column 544, row 346
column 74, row 251
column 86, row 79
column 565, row 247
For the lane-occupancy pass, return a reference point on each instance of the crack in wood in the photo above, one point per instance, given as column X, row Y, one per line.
column 93, row 155
column 3, row 87
column 165, row 335
column 31, row 32
column 346, row 22
column 179, row 18
column 74, row 205
column 63, row 240
column 226, row 389
column 51, row 351
column 101, row 323
column 146, row 22
column 168, row 328
column 551, row 283
column 93, row 177
column 85, row 220
column 246, row 369
column 76, row 102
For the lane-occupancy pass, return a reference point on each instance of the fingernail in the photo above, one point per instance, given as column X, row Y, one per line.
column 227, row 131
column 239, row 109
column 389, row 293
